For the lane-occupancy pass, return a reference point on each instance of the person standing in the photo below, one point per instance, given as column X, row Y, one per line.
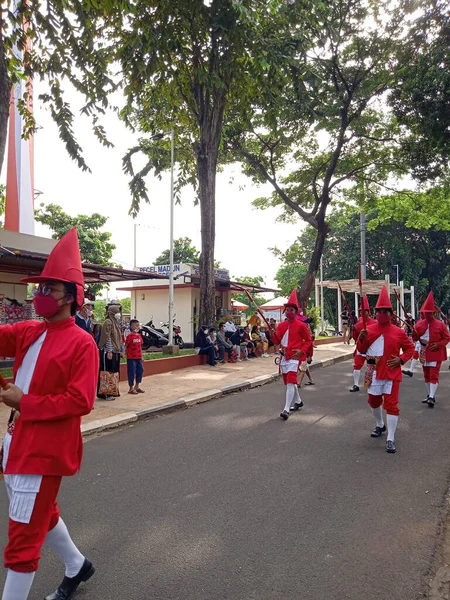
column 358, row 358
column 433, row 337
column 294, row 338
column 345, row 328
column 83, row 316
column 135, row 367
column 111, row 349
column 55, row 374
column 382, row 344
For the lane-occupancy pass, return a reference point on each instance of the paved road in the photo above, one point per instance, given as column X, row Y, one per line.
column 226, row 501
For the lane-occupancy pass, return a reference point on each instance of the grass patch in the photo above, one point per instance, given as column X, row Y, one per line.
column 154, row 355
column 6, row 372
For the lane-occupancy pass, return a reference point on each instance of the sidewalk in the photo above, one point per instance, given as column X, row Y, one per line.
column 185, row 387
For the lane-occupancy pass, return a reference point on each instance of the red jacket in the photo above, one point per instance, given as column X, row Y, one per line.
column 438, row 333
column 299, row 337
column 360, row 326
column 47, row 437
column 395, row 339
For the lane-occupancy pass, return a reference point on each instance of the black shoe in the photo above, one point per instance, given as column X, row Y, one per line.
column 378, row 431
column 409, row 373
column 284, row 415
column 390, row 447
column 431, row 402
column 426, row 400
column 355, row 388
column 297, row 405
column 69, row 585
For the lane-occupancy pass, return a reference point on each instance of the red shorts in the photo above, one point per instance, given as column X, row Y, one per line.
column 25, row 540
column 389, row 401
column 431, row 374
column 290, row 377
column 358, row 362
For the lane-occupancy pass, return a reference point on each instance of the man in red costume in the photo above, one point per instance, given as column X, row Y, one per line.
column 382, row 344
column 55, row 374
column 294, row 338
column 358, row 358
column 433, row 337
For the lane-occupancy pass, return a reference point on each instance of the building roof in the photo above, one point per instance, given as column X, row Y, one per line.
column 221, row 284
column 369, row 286
column 27, row 263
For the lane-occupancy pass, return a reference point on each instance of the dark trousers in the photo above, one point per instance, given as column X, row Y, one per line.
column 135, row 370
column 209, row 350
column 222, row 351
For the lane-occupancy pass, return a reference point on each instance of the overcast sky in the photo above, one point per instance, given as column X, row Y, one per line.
column 243, row 234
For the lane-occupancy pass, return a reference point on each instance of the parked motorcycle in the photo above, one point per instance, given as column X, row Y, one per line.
column 152, row 336
column 177, row 339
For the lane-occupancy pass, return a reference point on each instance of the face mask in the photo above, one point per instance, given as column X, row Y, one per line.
column 118, row 316
column 429, row 317
column 45, row 306
column 383, row 318
column 290, row 316
column 89, row 313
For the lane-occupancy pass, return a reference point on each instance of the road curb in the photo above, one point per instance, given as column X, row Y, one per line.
column 186, row 401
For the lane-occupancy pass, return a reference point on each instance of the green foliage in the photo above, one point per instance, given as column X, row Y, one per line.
column 420, row 101
column 95, row 246
column 100, row 306
column 64, row 41
column 183, row 252
column 293, row 269
column 258, row 299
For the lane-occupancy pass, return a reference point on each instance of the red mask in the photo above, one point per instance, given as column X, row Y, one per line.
column 383, row 318
column 290, row 315
column 429, row 316
column 45, row 306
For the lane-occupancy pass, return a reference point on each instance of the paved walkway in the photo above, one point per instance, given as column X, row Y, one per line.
column 189, row 386
column 196, row 384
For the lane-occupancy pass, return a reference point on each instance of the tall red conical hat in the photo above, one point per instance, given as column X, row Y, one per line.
column 428, row 305
column 293, row 300
column 64, row 264
column 383, row 299
column 365, row 303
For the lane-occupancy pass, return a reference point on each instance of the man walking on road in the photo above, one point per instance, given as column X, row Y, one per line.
column 358, row 358
column 433, row 337
column 382, row 344
column 56, row 369
column 294, row 337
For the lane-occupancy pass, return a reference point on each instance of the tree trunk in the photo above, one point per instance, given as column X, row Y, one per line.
column 304, row 292
column 206, row 170
column 5, row 99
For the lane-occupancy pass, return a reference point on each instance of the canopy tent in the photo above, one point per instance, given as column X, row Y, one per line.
column 239, row 305
column 275, row 304
column 370, row 287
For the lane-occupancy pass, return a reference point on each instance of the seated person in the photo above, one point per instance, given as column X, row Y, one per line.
column 247, row 343
column 260, row 342
column 203, row 345
column 224, row 345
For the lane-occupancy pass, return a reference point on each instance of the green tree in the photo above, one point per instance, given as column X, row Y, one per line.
column 94, row 244
column 183, row 252
column 187, row 65
column 63, row 41
column 258, row 299
column 420, row 101
column 325, row 129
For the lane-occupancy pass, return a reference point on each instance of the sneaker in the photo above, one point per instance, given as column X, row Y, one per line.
column 378, row 431
column 431, row 402
column 426, row 400
column 238, row 360
column 409, row 373
column 354, row 388
column 297, row 405
column 284, row 415
column 390, row 447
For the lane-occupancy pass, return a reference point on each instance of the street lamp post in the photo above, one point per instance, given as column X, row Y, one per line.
column 158, row 136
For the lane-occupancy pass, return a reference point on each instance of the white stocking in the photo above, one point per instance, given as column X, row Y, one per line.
column 356, row 375
column 377, row 413
column 413, row 364
column 428, row 387
column 392, row 421
column 298, row 398
column 59, row 540
column 433, row 389
column 17, row 585
column 290, row 393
